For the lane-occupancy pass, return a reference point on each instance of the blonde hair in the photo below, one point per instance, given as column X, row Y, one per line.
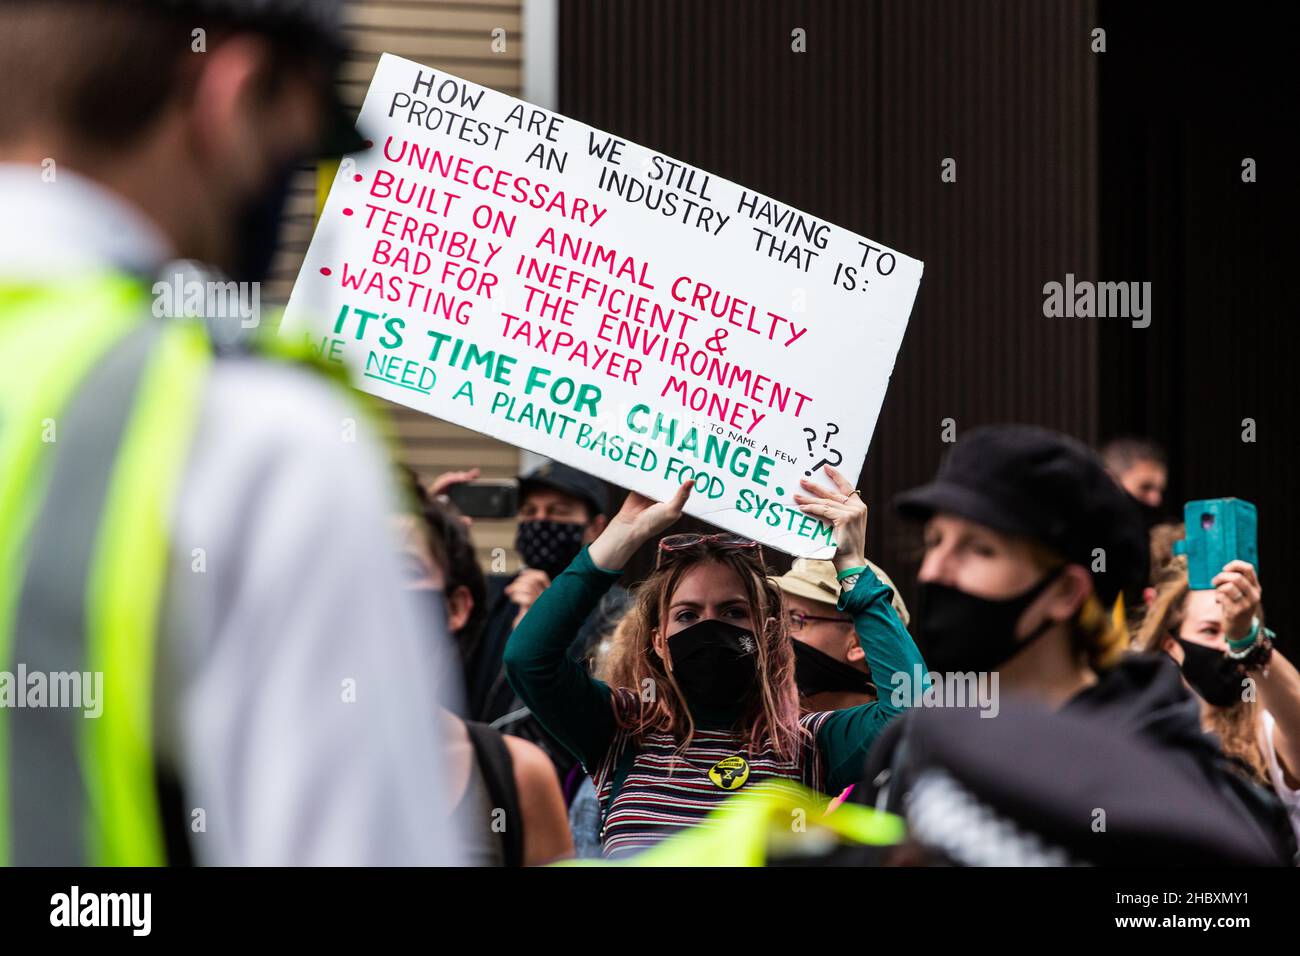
column 631, row 661
column 1099, row 637
column 1236, row 726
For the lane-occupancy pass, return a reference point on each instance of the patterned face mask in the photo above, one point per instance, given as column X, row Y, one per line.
column 549, row 545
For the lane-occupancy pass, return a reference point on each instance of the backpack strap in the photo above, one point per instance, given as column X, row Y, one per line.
column 493, row 758
column 626, row 758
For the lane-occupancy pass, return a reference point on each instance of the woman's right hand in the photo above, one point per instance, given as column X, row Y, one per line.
column 1238, row 593
column 638, row 521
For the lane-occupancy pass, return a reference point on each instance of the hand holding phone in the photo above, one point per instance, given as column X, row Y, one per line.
column 449, row 479
column 489, row 498
column 1238, row 593
column 1217, row 532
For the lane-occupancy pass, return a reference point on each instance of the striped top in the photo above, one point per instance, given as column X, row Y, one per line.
column 666, row 791
column 662, row 796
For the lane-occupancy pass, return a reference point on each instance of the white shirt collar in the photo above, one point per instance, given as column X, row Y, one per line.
column 50, row 230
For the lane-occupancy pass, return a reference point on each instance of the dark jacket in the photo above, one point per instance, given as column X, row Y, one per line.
column 490, row 697
column 1143, row 699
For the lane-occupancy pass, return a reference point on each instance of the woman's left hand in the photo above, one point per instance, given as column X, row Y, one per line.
column 844, row 510
column 1238, row 594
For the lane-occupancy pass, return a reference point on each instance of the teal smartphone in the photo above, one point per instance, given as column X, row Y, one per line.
column 1217, row 530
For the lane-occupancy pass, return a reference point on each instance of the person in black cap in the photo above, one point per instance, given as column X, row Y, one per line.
column 561, row 510
column 1030, row 550
column 1029, row 547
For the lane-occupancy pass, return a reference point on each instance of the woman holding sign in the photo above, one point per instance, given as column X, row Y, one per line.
column 714, row 707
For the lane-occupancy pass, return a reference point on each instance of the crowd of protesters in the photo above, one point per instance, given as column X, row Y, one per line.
column 659, row 699
column 199, row 530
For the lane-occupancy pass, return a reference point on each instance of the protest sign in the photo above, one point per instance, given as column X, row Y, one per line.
column 514, row 271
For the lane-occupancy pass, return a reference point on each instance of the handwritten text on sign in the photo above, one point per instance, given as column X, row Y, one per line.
column 519, row 273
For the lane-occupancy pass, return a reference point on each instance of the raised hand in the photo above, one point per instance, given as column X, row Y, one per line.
column 526, row 588
column 844, row 510
column 447, row 479
column 1238, row 593
column 638, row 521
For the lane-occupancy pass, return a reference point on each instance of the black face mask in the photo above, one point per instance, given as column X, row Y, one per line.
column 549, row 545
column 716, row 666
column 960, row 632
column 1212, row 674
column 817, row 672
column 259, row 228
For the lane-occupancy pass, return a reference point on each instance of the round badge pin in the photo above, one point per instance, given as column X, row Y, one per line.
column 729, row 773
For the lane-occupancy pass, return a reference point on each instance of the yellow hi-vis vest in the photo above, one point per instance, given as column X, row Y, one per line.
column 97, row 406
column 99, row 401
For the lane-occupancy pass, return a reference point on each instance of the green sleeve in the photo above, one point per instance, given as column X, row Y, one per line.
column 845, row 736
column 573, row 706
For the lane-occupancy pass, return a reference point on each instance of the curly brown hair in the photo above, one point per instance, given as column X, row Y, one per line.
column 773, row 712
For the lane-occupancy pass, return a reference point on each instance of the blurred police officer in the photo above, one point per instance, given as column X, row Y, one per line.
column 199, row 528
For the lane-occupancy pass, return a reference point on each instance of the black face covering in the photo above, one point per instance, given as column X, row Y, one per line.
column 259, row 228
column 716, row 665
column 1212, row 674
column 549, row 545
column 960, row 632
column 816, row 672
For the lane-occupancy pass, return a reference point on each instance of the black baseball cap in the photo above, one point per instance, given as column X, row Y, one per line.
column 315, row 22
column 569, row 481
column 1031, row 481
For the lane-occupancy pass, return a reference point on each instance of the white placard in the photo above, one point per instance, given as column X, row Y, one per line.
column 514, row 271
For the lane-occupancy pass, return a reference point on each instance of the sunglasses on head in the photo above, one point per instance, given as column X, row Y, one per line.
column 673, row 545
